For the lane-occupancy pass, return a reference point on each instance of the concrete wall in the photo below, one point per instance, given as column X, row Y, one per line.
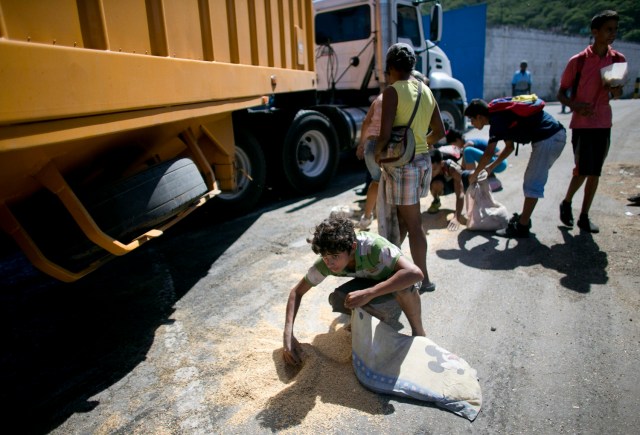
column 547, row 55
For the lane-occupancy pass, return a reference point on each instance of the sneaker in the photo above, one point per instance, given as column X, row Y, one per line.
column 634, row 199
column 427, row 287
column 565, row 213
column 435, row 206
column 514, row 228
column 365, row 222
column 586, row 225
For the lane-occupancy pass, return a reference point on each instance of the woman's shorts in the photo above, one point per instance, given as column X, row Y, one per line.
column 407, row 184
column 369, row 159
column 590, row 148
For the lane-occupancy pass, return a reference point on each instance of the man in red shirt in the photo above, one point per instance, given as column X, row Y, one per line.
column 591, row 118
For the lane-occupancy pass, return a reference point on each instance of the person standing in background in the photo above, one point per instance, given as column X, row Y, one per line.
column 591, row 120
column 521, row 81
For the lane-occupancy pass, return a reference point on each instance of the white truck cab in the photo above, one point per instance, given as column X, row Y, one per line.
column 352, row 37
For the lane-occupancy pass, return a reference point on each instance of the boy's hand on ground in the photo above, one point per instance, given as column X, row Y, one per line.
column 357, row 299
column 292, row 352
column 454, row 225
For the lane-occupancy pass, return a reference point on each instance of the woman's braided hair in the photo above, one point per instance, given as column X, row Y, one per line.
column 402, row 57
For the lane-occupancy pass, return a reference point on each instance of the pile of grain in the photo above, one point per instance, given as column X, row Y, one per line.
column 258, row 386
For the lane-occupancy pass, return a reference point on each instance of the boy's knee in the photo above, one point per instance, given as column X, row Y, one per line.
column 336, row 300
column 407, row 292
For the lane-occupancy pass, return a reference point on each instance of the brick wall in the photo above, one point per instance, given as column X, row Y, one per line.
column 546, row 54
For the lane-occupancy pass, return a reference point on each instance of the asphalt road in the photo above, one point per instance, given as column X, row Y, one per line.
column 184, row 334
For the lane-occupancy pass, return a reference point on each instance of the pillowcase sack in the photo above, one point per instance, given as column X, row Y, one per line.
column 388, row 362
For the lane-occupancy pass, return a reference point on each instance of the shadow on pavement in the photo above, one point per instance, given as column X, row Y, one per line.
column 579, row 257
column 65, row 343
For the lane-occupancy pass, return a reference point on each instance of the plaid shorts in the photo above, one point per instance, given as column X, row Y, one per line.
column 407, row 184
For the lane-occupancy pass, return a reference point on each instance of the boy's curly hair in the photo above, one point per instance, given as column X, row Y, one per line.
column 333, row 235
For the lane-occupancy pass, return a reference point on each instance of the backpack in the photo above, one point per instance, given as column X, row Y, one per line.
column 522, row 105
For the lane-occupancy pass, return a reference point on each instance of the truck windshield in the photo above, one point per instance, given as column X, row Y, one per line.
column 408, row 25
column 343, row 25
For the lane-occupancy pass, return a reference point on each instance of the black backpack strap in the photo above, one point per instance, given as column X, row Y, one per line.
column 576, row 80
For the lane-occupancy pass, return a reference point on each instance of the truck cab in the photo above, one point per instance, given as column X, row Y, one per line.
column 352, row 37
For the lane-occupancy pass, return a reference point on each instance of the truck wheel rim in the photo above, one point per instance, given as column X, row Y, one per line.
column 312, row 153
column 448, row 119
column 243, row 172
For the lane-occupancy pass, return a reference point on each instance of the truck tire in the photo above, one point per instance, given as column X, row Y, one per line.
column 451, row 115
column 138, row 203
column 123, row 210
column 310, row 152
column 251, row 172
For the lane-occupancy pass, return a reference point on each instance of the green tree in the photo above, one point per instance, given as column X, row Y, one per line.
column 571, row 17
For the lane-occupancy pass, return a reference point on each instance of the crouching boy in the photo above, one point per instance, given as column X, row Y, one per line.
column 381, row 265
column 547, row 137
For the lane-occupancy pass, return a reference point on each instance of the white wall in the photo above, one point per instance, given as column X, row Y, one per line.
column 547, row 55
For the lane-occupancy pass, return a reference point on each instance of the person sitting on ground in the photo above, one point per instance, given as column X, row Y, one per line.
column 448, row 177
column 472, row 149
column 445, row 153
column 548, row 138
column 379, row 268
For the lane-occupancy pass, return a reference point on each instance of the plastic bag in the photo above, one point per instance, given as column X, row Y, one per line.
column 483, row 212
column 615, row 74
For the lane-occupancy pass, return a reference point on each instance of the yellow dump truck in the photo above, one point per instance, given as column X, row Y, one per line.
column 120, row 117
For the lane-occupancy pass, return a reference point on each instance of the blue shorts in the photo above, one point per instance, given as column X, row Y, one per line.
column 473, row 154
column 543, row 156
column 369, row 159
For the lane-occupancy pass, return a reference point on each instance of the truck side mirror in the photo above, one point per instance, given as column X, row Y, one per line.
column 435, row 26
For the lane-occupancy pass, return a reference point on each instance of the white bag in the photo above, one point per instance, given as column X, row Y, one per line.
column 388, row 362
column 615, row 74
column 483, row 212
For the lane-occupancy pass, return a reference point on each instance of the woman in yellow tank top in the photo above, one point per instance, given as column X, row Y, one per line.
column 404, row 186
